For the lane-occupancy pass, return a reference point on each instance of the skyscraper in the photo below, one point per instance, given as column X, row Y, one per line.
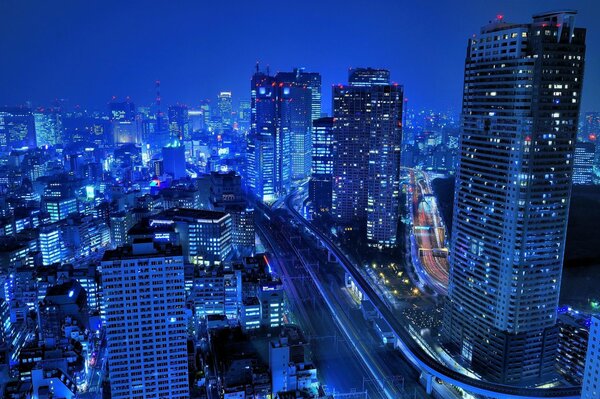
column 146, row 332
column 367, row 131
column 305, row 91
column 320, row 185
column 268, row 152
column 179, row 122
column 520, row 111
column 225, row 109
column 124, row 123
column 17, row 127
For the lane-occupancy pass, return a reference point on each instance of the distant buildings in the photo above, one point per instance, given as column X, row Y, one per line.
column 179, row 122
column 17, row 127
column 225, row 110
column 367, row 131
column 591, row 378
column 512, row 195
column 146, row 332
column 583, row 165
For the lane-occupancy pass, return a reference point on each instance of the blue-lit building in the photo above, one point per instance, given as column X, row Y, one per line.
column 320, row 184
column 179, row 122
column 522, row 89
column 144, row 299
column 206, row 236
column 17, row 127
column 268, row 152
column 583, row 164
column 367, row 131
column 304, row 108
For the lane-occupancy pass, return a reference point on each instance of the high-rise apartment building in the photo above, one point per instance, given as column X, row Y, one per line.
column 367, row 131
column 522, row 88
column 144, row 296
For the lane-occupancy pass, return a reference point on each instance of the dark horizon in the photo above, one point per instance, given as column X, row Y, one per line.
column 87, row 53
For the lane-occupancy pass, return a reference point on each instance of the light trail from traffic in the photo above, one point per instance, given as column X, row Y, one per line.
column 429, row 233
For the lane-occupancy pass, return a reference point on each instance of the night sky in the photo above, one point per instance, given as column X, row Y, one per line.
column 88, row 51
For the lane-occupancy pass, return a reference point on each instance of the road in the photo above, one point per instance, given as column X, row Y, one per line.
column 328, row 314
column 412, row 350
column 429, row 233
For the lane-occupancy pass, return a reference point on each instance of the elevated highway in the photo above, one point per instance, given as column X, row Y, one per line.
column 412, row 350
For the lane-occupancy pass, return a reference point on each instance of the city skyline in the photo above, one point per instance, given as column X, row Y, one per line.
column 290, row 237
column 63, row 53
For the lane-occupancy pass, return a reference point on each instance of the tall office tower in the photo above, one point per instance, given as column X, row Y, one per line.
column 179, row 122
column 367, row 130
column 225, row 109
column 520, row 111
column 48, row 127
column 320, row 185
column 591, row 375
column 305, row 90
column 310, row 80
column 244, row 114
column 583, row 164
column 268, row 152
column 17, row 127
column 124, row 124
column 144, row 298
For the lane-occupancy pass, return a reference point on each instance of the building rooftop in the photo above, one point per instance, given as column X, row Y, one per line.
column 143, row 247
column 186, row 213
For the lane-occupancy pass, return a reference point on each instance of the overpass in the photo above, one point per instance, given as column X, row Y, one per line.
column 414, row 352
